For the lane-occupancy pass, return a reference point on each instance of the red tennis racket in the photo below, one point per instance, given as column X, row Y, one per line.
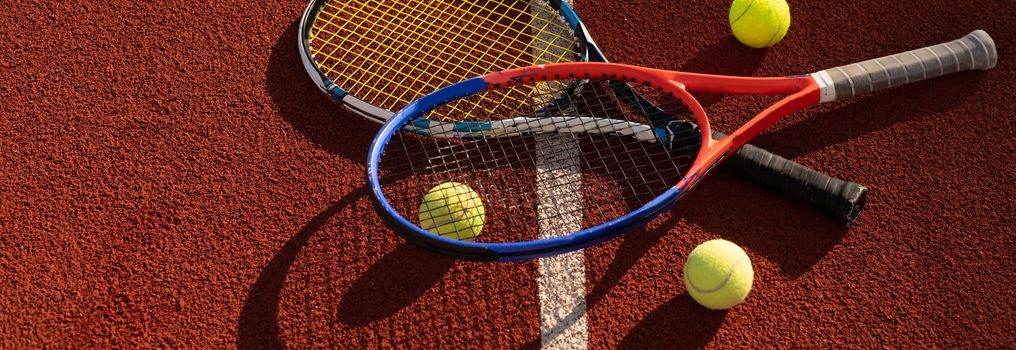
column 629, row 170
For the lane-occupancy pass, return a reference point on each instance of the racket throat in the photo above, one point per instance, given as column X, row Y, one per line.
column 691, row 180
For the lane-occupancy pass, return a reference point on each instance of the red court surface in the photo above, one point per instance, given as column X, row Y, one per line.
column 169, row 177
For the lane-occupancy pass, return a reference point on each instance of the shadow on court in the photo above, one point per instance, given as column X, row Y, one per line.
column 677, row 324
column 394, row 282
column 310, row 112
column 633, row 246
column 725, row 57
column 389, row 285
column 258, row 327
column 856, row 117
column 792, row 235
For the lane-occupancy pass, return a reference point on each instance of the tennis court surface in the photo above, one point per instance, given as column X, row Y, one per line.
column 170, row 177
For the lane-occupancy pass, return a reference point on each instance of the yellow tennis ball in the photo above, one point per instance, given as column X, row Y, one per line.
column 759, row 23
column 718, row 274
column 452, row 210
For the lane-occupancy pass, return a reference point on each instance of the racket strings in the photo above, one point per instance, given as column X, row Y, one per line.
column 663, row 164
column 499, row 36
column 394, row 60
column 595, row 154
column 492, row 161
column 388, row 53
column 430, row 41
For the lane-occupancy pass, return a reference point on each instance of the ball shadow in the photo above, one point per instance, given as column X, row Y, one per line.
column 389, row 285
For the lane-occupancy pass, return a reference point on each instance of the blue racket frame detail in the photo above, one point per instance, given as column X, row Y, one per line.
column 515, row 251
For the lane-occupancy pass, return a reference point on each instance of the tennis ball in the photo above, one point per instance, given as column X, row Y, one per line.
column 452, row 210
column 718, row 274
column 759, row 23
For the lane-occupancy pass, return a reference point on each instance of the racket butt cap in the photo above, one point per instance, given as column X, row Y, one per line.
column 855, row 198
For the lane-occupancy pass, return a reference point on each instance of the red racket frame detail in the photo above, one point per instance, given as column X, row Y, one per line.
column 802, row 91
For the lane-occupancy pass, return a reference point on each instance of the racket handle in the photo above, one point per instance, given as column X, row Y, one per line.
column 840, row 200
column 973, row 51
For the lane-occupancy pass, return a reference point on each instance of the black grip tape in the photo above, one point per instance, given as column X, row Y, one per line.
column 840, row 200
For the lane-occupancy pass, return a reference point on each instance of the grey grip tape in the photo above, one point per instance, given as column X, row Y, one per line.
column 975, row 51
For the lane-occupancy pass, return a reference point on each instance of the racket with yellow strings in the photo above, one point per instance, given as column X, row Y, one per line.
column 376, row 56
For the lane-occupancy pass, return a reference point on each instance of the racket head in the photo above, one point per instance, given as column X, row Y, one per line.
column 617, row 195
column 367, row 55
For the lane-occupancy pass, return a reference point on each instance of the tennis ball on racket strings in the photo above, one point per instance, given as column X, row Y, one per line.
column 452, row 210
column 759, row 23
column 718, row 274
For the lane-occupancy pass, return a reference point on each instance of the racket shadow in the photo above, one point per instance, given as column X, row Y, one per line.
column 391, row 284
column 633, row 247
column 872, row 113
column 258, row 326
column 679, row 323
column 311, row 113
column 726, row 57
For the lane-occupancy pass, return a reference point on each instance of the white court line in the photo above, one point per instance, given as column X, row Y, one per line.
column 562, row 277
column 562, row 281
